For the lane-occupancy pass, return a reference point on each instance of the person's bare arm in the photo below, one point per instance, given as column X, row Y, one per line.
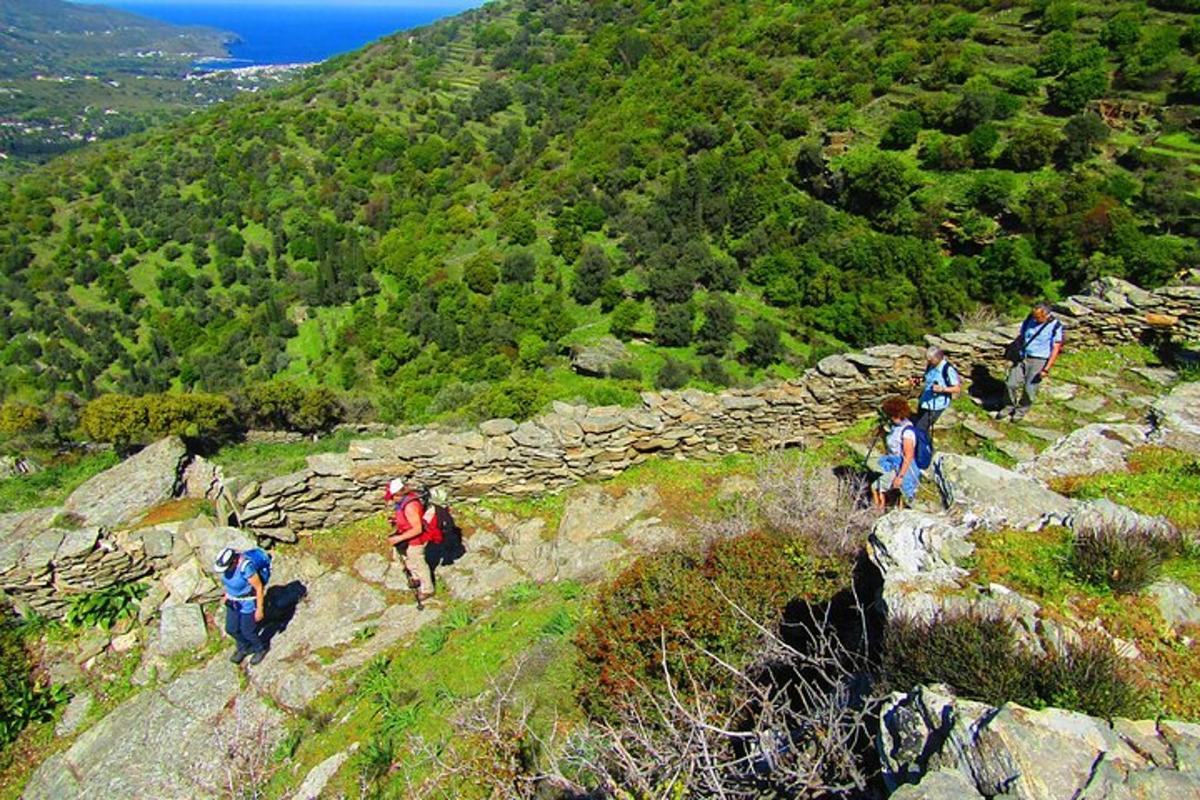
column 910, row 451
column 1053, row 357
column 257, row 584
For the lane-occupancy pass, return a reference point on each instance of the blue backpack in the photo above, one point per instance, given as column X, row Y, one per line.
column 261, row 560
column 923, row 454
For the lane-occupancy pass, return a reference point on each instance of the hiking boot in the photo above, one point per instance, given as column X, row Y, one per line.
column 1004, row 413
column 258, row 657
column 239, row 655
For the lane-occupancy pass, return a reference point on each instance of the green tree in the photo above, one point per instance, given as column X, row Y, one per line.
column 480, row 273
column 1073, row 91
column 673, row 324
column 625, row 318
column 1030, row 148
column 902, row 131
column 764, row 346
column 593, row 269
column 716, row 331
column 1082, row 134
column 518, row 267
column 876, row 183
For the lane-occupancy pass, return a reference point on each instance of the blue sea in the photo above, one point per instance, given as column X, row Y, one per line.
column 278, row 33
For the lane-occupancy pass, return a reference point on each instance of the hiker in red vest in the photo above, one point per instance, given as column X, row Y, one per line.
column 412, row 520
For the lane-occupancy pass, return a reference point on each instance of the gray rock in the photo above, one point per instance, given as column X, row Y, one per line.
column 1176, row 602
column 837, row 366
column 938, row 786
column 121, row 495
column 1060, row 392
column 1090, row 450
column 497, row 427
column 1104, row 513
column 209, row 542
column 1176, row 419
column 181, row 629
column 75, row 713
column 371, row 567
column 599, row 358
column 591, row 512
column 484, row 580
column 1045, row 434
column 187, row 582
column 148, row 607
column 982, row 429
column 996, row 496
column 650, row 536
column 319, row 776
column 1086, row 405
column 587, row 560
column 918, row 555
column 1017, row 451
column 158, row 543
column 1012, row 751
column 1159, row 376
column 326, row 617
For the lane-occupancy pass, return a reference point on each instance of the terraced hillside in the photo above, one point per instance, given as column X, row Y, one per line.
column 430, row 226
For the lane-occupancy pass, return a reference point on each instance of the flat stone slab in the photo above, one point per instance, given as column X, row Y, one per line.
column 180, row 629
column 121, row 495
column 982, row 429
column 168, row 743
column 1086, row 405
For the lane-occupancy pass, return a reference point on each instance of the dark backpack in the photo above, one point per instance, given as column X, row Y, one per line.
column 923, row 452
column 261, row 560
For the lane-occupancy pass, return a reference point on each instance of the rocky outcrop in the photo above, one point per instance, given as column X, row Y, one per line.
column 1090, row 450
column 938, row 746
column 121, row 495
column 995, row 497
column 598, row 359
column 918, row 556
column 171, row 742
column 1176, row 419
column 576, row 443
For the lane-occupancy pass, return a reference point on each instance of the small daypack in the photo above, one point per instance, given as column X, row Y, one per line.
column 261, row 560
column 923, row 452
column 431, row 527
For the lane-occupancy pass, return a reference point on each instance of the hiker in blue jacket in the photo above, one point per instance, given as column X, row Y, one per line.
column 1036, row 349
column 899, row 465
column 942, row 384
column 244, row 604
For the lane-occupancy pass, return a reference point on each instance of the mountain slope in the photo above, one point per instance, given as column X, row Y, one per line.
column 430, row 224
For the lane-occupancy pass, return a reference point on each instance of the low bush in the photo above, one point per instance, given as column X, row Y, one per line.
column 22, row 700
column 124, row 420
column 815, row 504
column 105, row 607
column 980, row 657
column 1123, row 557
column 675, row 609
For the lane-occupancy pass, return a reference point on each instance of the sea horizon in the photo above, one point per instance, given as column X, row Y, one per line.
column 273, row 33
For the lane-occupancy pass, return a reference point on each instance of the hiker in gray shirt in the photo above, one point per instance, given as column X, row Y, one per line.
column 1035, row 350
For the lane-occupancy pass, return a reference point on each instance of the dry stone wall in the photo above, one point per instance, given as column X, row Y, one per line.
column 573, row 443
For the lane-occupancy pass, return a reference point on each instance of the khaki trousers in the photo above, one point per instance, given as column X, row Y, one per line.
column 414, row 558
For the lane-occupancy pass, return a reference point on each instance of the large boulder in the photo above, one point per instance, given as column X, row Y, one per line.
column 171, row 743
column 1176, row 419
column 1090, row 450
column 592, row 512
column 928, row 735
column 994, row 496
column 918, row 555
column 599, row 358
column 123, row 494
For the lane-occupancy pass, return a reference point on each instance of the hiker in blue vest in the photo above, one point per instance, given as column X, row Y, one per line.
column 1035, row 350
column 942, row 384
column 899, row 465
column 244, row 601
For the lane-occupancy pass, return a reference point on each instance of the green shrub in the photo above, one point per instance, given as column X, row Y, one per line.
column 284, row 405
column 105, row 607
column 1125, row 558
column 677, row 604
column 22, row 701
column 125, row 420
column 980, row 658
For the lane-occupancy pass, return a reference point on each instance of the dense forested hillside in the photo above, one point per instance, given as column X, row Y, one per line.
column 732, row 187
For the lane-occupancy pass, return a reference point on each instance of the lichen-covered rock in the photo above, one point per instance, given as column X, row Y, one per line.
column 1176, row 419
column 121, row 495
column 995, row 496
column 1012, row 751
column 592, row 512
column 1090, row 450
column 918, row 556
column 599, row 358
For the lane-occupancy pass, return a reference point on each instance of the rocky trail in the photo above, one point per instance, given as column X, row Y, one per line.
column 186, row 718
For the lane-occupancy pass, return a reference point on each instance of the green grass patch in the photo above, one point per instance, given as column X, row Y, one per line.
column 418, row 689
column 1158, row 481
column 258, row 461
column 52, row 485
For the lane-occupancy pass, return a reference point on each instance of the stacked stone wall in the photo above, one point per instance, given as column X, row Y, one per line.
column 573, row 443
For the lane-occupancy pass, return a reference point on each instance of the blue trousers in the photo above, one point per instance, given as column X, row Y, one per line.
column 243, row 629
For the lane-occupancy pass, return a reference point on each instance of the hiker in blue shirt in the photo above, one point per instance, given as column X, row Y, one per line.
column 244, row 604
column 899, row 465
column 942, row 384
column 1035, row 350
